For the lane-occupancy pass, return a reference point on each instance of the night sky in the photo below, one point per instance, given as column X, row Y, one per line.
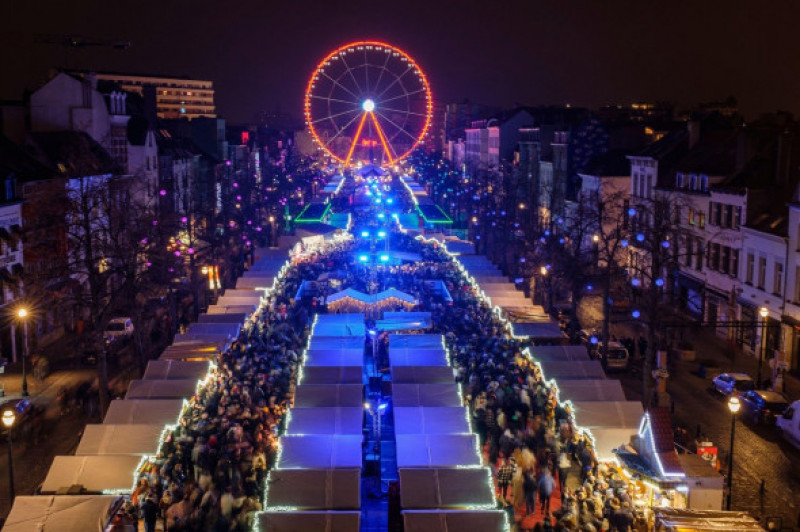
column 260, row 53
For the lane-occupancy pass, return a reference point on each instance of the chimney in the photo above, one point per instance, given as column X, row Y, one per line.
column 693, row 126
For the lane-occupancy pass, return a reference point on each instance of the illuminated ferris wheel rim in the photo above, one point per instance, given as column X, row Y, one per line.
column 369, row 106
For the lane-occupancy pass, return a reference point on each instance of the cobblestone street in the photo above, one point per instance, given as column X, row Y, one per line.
column 760, row 453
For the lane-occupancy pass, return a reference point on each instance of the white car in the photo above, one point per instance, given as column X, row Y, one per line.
column 119, row 328
column 730, row 383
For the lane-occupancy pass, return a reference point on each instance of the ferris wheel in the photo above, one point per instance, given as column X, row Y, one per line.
column 368, row 102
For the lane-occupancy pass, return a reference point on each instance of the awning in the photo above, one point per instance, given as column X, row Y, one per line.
column 320, row 452
column 96, row 474
column 314, row 489
column 437, row 450
column 62, row 513
column 142, row 411
column 446, row 488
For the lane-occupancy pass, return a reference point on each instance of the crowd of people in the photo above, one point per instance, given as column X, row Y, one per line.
column 210, row 472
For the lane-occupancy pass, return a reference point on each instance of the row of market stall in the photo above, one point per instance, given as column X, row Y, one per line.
column 82, row 491
column 638, row 444
column 444, row 484
column 316, row 481
column 527, row 320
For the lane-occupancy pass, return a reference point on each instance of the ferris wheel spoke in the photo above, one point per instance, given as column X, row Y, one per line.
column 329, row 99
column 355, row 139
column 382, row 70
column 404, row 95
column 335, row 82
column 412, row 137
column 330, row 117
column 381, row 136
column 344, row 128
column 405, row 111
column 396, row 80
column 350, row 72
column 366, row 71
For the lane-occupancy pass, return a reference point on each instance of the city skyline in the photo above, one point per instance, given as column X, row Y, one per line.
column 583, row 54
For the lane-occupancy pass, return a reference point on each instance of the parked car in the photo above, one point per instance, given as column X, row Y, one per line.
column 119, row 328
column 730, row 383
column 590, row 338
column 762, row 407
column 617, row 357
column 789, row 424
column 562, row 313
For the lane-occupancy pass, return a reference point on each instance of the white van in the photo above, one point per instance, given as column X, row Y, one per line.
column 789, row 424
column 617, row 357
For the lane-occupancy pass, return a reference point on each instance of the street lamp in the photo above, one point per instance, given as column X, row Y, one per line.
column 764, row 313
column 8, row 422
column 22, row 314
column 733, row 405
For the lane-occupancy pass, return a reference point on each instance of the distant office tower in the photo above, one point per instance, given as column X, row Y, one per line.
column 176, row 97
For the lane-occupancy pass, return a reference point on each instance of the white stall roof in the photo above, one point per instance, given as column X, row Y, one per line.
column 302, row 521
column 415, row 341
column 255, row 282
column 608, row 414
column 449, row 520
column 417, row 357
column 95, row 473
column 196, row 351
column 334, row 357
column 340, row 325
column 316, row 395
column 161, row 389
column 446, row 488
column 318, row 451
column 244, row 292
column 231, row 309
column 325, row 420
column 230, row 329
column 573, row 370
column 176, row 370
column 437, row 450
column 332, row 375
column 228, row 301
column 544, row 330
column 431, row 420
column 425, row 395
column 607, row 440
column 232, row 317
column 422, row 374
column 61, row 513
column 560, row 353
column 399, row 321
column 141, row 440
column 314, row 489
column 337, row 342
column 143, row 411
column 591, row 390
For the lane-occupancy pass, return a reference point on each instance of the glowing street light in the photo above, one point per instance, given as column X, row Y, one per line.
column 22, row 314
column 764, row 313
column 733, row 405
column 8, row 422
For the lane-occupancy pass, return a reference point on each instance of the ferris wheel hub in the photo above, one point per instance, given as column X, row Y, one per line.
column 368, row 105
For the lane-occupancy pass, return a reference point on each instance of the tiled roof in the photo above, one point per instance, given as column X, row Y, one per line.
column 74, row 153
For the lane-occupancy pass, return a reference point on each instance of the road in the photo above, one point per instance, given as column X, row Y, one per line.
column 32, row 460
column 759, row 452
